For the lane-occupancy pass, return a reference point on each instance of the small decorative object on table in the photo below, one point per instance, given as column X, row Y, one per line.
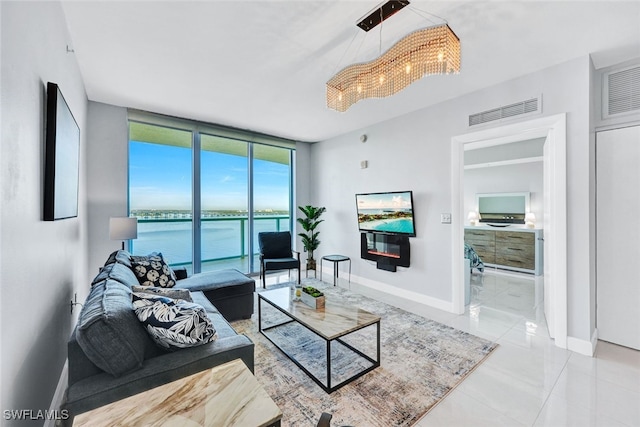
column 312, row 297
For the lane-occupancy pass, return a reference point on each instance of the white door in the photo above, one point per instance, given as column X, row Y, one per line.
column 618, row 235
column 547, row 248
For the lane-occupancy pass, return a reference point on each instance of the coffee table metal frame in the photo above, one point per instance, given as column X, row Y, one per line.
column 329, row 388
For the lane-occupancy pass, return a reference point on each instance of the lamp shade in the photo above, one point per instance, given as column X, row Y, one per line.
column 530, row 217
column 472, row 216
column 123, row 228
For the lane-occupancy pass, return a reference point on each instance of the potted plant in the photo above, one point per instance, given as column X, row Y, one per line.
column 312, row 297
column 309, row 223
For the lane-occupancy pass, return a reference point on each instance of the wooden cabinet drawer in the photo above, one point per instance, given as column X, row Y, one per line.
column 528, row 264
column 487, row 257
column 516, row 255
column 504, row 248
column 485, row 250
column 483, row 242
column 479, row 235
column 514, row 237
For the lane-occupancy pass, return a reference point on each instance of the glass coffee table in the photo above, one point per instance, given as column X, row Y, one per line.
column 331, row 324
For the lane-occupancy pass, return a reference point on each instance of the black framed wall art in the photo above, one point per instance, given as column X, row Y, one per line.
column 62, row 158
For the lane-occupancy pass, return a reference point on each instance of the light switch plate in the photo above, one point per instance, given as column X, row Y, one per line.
column 445, row 218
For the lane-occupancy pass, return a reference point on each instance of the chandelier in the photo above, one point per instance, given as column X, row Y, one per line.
column 428, row 51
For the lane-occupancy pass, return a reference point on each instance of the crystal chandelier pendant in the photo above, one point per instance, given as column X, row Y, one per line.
column 428, row 51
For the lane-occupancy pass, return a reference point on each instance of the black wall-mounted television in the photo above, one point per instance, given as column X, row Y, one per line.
column 389, row 213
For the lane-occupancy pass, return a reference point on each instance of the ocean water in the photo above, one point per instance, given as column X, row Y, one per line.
column 382, row 211
column 220, row 239
column 402, row 225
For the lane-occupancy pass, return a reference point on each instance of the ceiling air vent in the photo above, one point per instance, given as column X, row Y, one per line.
column 623, row 91
column 529, row 106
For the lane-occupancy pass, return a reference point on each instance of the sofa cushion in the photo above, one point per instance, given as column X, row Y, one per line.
column 173, row 323
column 152, row 270
column 108, row 330
column 118, row 272
column 173, row 293
column 226, row 282
column 120, row 256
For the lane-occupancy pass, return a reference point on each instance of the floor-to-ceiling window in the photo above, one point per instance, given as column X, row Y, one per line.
column 234, row 186
column 271, row 171
column 160, row 194
column 224, row 185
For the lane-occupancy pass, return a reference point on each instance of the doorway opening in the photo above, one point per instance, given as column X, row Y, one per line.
column 553, row 128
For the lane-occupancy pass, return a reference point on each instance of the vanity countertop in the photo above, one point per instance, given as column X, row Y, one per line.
column 510, row 227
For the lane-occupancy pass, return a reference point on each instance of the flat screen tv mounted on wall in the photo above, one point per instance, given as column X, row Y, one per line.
column 61, row 166
column 387, row 213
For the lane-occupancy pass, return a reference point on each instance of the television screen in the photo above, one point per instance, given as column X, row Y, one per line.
column 390, row 212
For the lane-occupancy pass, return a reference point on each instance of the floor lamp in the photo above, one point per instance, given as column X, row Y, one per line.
column 123, row 228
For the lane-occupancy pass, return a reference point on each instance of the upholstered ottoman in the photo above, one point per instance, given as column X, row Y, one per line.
column 229, row 290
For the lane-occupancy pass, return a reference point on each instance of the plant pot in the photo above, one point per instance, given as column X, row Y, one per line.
column 311, row 264
column 311, row 301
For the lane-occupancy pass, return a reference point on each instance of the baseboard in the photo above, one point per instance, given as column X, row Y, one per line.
column 584, row 347
column 406, row 294
column 58, row 396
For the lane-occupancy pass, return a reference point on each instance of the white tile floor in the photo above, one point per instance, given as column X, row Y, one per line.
column 528, row 381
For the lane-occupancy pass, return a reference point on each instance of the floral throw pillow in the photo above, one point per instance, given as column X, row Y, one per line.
column 171, row 323
column 153, row 270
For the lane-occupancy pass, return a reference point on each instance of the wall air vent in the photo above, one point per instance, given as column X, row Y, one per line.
column 529, row 106
column 622, row 92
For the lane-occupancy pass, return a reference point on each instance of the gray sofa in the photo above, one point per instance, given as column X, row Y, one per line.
column 111, row 355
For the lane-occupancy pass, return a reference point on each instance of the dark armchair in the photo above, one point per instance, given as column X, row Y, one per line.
column 276, row 253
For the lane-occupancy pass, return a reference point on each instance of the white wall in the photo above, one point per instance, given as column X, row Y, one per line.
column 301, row 188
column 107, row 180
column 408, row 153
column 505, row 179
column 413, row 152
column 42, row 264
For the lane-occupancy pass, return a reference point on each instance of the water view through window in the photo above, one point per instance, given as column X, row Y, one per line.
column 162, row 173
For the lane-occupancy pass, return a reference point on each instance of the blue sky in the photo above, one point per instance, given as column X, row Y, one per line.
column 160, row 178
column 384, row 201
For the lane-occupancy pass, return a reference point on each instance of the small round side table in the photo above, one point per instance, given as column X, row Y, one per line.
column 335, row 259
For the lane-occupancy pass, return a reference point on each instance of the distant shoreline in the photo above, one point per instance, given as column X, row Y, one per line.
column 206, row 213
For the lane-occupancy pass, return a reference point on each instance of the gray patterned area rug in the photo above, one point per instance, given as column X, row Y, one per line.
column 421, row 361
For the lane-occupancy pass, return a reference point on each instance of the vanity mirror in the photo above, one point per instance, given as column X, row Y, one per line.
column 503, row 208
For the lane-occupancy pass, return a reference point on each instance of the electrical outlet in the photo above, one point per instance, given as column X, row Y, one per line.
column 74, row 301
column 445, row 218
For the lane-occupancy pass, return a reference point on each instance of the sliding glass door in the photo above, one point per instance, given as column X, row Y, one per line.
column 224, row 195
column 232, row 187
column 271, row 170
column 160, row 194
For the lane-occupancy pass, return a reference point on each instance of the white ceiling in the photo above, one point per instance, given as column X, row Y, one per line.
column 263, row 65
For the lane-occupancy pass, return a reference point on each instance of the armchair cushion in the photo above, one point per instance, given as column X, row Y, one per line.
column 281, row 263
column 275, row 244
